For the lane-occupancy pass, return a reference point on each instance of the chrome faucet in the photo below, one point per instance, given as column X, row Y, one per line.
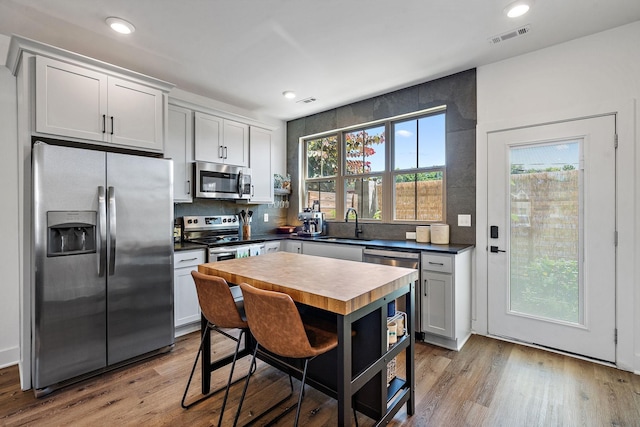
column 346, row 219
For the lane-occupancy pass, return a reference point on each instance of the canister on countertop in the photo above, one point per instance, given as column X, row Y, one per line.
column 440, row 234
column 423, row 234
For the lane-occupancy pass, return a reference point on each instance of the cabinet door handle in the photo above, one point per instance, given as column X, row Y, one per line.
column 220, row 152
column 189, row 187
column 188, row 260
column 225, row 151
column 111, row 125
column 426, row 288
column 436, row 263
column 253, row 192
column 104, row 123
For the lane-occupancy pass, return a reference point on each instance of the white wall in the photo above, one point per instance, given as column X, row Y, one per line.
column 591, row 75
column 9, row 268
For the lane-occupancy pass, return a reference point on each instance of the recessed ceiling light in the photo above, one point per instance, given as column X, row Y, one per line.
column 289, row 94
column 120, row 25
column 518, row 8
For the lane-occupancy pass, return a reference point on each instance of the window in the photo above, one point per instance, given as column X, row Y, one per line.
column 419, row 166
column 389, row 171
column 364, row 153
column 322, row 163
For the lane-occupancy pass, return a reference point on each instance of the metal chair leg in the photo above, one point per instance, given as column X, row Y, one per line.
column 252, row 368
column 193, row 369
column 304, row 378
column 233, row 365
column 208, row 328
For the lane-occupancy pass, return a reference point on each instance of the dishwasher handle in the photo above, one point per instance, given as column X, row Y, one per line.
column 391, row 254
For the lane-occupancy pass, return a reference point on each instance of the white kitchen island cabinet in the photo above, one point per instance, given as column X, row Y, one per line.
column 85, row 103
column 445, row 296
column 218, row 140
column 186, row 307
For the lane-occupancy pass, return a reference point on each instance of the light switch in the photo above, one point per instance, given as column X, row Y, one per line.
column 266, row 217
column 464, row 220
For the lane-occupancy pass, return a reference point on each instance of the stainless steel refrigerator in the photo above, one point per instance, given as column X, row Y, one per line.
column 103, row 251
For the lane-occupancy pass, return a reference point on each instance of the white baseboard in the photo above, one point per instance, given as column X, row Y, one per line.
column 9, row 357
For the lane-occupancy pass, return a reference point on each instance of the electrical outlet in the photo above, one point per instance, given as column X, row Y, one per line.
column 266, row 217
column 464, row 220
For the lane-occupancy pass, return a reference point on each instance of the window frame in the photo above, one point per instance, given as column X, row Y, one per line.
column 388, row 175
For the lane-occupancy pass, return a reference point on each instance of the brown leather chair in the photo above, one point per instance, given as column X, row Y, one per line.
column 266, row 312
column 222, row 307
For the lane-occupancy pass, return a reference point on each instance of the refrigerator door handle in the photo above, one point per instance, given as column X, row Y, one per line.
column 102, row 229
column 112, row 231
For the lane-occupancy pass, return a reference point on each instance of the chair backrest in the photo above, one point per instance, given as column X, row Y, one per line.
column 275, row 322
column 216, row 301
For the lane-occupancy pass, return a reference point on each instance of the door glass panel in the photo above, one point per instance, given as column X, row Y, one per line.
column 545, row 231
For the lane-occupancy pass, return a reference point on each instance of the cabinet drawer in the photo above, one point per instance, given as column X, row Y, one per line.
column 188, row 258
column 439, row 263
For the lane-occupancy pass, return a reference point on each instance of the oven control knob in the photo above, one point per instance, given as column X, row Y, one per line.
column 234, row 219
column 224, row 219
column 195, row 221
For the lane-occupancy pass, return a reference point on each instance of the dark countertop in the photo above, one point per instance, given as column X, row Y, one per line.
column 402, row 245
column 187, row 246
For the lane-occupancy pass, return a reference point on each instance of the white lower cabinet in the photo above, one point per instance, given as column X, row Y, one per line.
column 445, row 294
column 270, row 247
column 330, row 250
column 292, row 246
column 186, row 307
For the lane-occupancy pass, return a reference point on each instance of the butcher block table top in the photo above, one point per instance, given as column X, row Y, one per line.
column 330, row 284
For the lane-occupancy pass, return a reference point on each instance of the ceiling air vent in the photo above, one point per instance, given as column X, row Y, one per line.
column 307, row 100
column 521, row 31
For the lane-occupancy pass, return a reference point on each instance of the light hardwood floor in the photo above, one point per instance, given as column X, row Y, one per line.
column 488, row 383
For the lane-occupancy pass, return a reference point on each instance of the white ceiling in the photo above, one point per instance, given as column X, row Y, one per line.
column 247, row 52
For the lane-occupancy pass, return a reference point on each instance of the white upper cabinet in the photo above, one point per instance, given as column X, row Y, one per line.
column 219, row 140
column 236, row 143
column 83, row 103
column 179, row 147
column 260, row 163
column 135, row 113
column 208, row 142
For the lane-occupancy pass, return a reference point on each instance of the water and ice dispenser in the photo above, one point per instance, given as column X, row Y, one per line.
column 71, row 232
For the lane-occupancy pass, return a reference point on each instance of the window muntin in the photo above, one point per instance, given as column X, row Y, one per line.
column 419, row 196
column 364, row 150
column 323, row 191
column 365, row 196
column 322, row 156
column 420, row 143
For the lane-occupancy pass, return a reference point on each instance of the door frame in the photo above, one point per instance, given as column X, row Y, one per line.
column 627, row 163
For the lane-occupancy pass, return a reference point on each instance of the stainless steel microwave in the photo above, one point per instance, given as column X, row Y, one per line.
column 217, row 181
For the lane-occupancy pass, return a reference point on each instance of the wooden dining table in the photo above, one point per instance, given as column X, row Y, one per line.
column 356, row 295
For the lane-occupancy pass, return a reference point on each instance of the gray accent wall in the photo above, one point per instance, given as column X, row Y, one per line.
column 458, row 93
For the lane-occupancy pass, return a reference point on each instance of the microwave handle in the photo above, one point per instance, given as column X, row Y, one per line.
column 240, row 181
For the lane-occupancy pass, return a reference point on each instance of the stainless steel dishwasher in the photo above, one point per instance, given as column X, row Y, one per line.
column 398, row 259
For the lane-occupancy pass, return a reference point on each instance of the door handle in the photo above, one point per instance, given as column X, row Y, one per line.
column 495, row 249
column 111, row 125
column 112, row 230
column 102, row 230
column 104, row 123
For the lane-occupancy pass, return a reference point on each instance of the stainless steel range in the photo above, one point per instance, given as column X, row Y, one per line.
column 216, row 231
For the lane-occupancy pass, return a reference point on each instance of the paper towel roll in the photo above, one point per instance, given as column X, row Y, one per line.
column 440, row 234
column 423, row 234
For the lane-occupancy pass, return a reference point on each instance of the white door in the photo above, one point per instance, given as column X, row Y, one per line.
column 551, row 265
